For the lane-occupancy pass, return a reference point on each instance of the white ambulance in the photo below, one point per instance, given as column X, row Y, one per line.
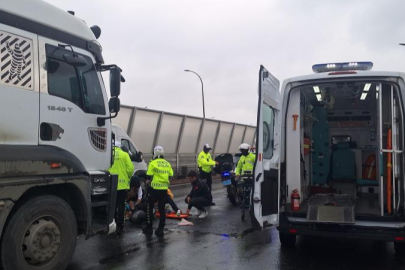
column 330, row 158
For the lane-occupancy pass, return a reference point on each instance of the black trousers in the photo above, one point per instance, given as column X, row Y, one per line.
column 207, row 177
column 160, row 196
column 199, row 203
column 172, row 203
column 120, row 207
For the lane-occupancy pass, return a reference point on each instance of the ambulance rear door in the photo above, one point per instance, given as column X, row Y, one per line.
column 265, row 194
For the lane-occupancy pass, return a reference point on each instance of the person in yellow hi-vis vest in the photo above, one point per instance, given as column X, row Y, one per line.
column 159, row 171
column 246, row 161
column 124, row 168
column 205, row 164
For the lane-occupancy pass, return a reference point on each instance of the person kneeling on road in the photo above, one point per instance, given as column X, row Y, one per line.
column 159, row 170
column 199, row 196
column 135, row 194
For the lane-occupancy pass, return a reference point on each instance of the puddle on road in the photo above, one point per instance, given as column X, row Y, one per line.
column 119, row 256
column 242, row 234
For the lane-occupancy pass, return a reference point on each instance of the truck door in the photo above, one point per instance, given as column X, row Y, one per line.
column 72, row 97
column 19, row 91
column 265, row 193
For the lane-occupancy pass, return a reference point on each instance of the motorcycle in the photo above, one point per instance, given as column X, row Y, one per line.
column 224, row 167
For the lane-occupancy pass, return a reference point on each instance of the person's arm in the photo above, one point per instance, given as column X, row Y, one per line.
column 170, row 172
column 205, row 160
column 191, row 192
column 239, row 167
column 140, row 194
column 198, row 190
column 129, row 165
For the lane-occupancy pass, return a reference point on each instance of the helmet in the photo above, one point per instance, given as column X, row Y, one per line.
column 137, row 217
column 207, row 147
column 244, row 146
column 118, row 144
column 158, row 151
column 244, row 149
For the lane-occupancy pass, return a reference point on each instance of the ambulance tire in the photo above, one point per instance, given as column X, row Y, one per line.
column 287, row 240
column 399, row 248
column 35, row 232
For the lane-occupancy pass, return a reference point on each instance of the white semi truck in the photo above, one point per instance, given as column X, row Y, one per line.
column 56, row 141
column 330, row 154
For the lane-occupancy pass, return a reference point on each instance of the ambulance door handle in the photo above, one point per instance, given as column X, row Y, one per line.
column 258, row 177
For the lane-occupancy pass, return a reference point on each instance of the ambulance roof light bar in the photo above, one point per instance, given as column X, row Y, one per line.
column 330, row 67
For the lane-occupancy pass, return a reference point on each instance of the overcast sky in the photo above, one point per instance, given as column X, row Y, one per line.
column 153, row 41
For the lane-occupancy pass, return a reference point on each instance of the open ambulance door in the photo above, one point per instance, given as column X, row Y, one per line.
column 265, row 194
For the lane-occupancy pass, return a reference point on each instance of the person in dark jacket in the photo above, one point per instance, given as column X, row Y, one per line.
column 199, row 196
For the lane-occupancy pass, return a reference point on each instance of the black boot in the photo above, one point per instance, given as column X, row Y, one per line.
column 160, row 230
column 120, row 229
column 148, row 230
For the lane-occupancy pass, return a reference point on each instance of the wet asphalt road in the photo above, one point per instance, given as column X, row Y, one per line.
column 217, row 243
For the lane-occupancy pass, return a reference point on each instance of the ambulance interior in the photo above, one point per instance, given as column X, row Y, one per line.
column 342, row 128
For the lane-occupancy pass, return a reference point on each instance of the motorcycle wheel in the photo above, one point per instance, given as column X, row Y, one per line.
column 231, row 194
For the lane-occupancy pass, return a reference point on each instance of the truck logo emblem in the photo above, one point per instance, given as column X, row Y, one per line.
column 16, row 61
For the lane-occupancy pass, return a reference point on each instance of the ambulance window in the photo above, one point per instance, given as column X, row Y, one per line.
column 129, row 146
column 125, row 143
column 268, row 131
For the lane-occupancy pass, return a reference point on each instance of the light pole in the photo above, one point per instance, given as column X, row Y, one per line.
column 202, row 89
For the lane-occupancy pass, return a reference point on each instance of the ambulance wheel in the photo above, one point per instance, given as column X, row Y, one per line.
column 399, row 248
column 287, row 240
column 41, row 234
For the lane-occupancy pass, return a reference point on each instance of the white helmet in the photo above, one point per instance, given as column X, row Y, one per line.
column 207, row 147
column 244, row 146
column 118, row 144
column 158, row 151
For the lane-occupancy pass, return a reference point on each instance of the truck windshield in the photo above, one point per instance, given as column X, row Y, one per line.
column 80, row 85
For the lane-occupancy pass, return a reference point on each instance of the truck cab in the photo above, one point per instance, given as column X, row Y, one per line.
column 330, row 154
column 56, row 143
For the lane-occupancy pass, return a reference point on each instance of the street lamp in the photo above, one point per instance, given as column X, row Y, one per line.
column 202, row 89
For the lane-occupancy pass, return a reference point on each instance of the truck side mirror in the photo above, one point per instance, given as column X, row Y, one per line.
column 115, row 81
column 114, row 104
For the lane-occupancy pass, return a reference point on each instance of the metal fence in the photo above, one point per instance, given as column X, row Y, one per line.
column 182, row 136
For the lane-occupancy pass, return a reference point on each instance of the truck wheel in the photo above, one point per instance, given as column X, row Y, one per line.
column 41, row 234
column 287, row 240
column 399, row 248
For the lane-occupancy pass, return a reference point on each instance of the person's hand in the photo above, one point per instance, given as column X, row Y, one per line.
column 216, row 163
column 188, row 200
column 131, row 205
column 138, row 202
column 188, row 212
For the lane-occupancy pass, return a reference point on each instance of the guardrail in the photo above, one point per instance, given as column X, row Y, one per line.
column 182, row 136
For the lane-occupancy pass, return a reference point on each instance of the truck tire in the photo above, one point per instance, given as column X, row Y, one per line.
column 399, row 248
column 287, row 240
column 41, row 234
